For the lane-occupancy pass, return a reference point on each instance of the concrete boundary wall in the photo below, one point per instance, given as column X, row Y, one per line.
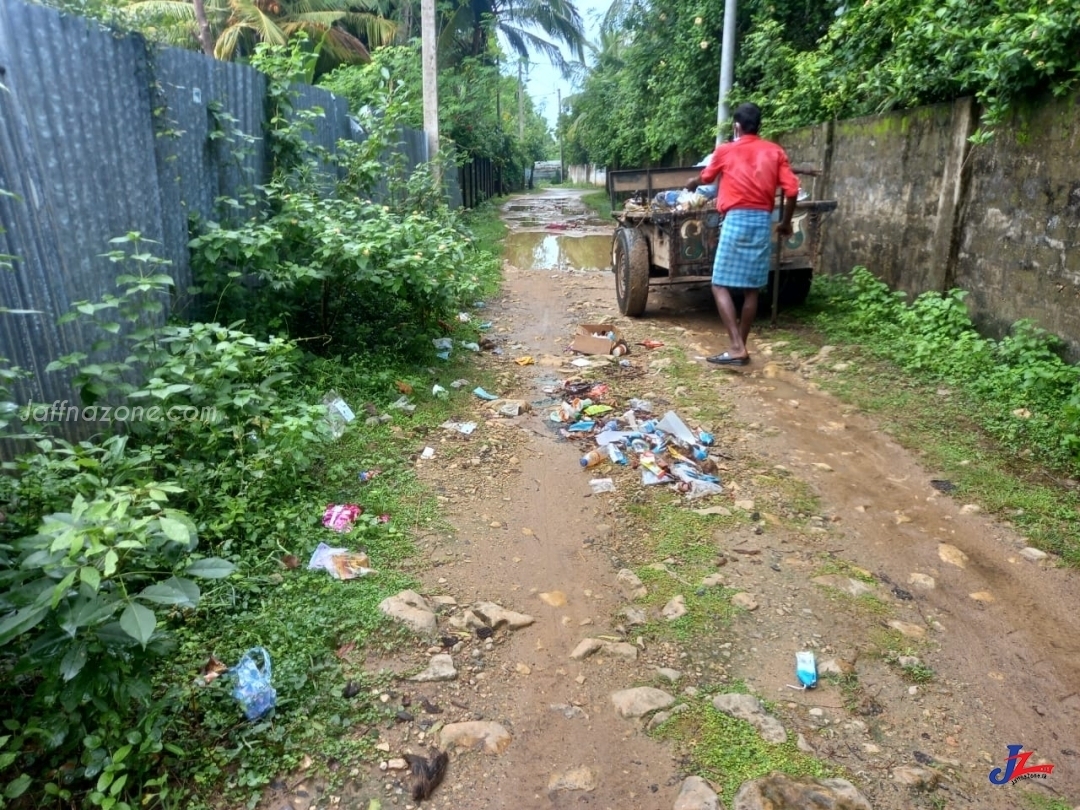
column 925, row 209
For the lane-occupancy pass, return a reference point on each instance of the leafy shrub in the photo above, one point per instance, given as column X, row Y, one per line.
column 1028, row 397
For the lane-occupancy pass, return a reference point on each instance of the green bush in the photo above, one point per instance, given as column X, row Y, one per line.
column 1027, row 396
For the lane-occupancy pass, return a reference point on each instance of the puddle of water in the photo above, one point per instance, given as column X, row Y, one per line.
column 548, row 251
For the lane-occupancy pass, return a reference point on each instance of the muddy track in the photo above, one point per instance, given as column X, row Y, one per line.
column 999, row 631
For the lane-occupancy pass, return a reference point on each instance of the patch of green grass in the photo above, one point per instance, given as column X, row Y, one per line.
column 918, row 673
column 850, row 689
column 303, row 618
column 834, row 565
column 1035, row 801
column 729, row 752
column 599, row 202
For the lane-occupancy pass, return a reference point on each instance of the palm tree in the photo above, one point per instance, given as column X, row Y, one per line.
column 472, row 21
column 342, row 26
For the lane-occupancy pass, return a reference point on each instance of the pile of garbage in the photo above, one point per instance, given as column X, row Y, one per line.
column 677, row 200
column 664, row 449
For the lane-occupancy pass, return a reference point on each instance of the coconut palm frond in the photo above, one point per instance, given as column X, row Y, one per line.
column 558, row 19
column 524, row 42
column 226, row 44
column 377, row 30
column 326, row 18
column 344, row 47
column 261, row 24
column 177, row 9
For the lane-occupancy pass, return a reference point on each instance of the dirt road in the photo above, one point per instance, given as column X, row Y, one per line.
column 946, row 640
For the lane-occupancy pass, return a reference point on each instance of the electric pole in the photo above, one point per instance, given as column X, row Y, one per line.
column 727, row 70
column 428, row 51
column 558, row 130
column 521, row 106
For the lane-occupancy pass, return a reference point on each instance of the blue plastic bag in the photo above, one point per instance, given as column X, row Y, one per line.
column 253, row 690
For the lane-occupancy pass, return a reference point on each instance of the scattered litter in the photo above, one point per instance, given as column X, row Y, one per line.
column 211, row 671
column 599, row 338
column 404, row 387
column 706, row 439
column 367, row 475
column 581, row 427
column 464, row 317
column 525, row 361
column 581, row 362
column 486, row 325
column 671, row 423
column 650, row 344
column 702, row 489
column 599, row 485
column 597, row 410
column 512, row 407
column 340, row 517
column 805, row 670
column 478, row 305
column 340, row 562
column 480, row 392
column 338, row 414
column 442, row 344
column 459, row 383
column 428, row 454
column 641, row 405
column 464, row 428
column 253, row 690
column 443, row 355
column 472, row 347
column 402, row 404
column 438, row 391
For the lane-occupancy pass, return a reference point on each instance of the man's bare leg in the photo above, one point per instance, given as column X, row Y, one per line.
column 746, row 317
column 726, row 308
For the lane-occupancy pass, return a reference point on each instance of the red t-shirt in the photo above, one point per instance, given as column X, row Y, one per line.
column 750, row 170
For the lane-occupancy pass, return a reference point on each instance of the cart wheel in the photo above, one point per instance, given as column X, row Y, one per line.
column 631, row 258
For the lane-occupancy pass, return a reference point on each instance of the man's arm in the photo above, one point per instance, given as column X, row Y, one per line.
column 790, row 185
column 784, row 228
column 709, row 173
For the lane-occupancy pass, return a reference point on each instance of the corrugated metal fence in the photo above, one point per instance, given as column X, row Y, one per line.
column 101, row 135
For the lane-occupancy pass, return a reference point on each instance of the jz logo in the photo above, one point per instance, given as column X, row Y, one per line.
column 1016, row 767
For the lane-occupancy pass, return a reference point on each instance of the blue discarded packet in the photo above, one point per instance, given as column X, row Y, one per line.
column 480, row 392
column 252, row 689
column 806, row 669
column 705, row 438
column 486, row 325
column 581, row 427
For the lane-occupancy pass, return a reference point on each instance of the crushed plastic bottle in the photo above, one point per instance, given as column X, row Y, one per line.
column 592, row 458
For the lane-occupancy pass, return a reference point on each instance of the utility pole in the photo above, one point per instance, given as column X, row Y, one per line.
column 428, row 51
column 521, row 106
column 558, row 130
column 727, row 70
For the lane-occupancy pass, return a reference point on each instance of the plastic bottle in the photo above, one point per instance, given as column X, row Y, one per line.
column 619, row 350
column 615, row 454
column 592, row 458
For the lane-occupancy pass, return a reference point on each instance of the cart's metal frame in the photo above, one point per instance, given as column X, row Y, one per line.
column 674, row 247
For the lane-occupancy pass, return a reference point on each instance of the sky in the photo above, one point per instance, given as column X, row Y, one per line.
column 544, row 80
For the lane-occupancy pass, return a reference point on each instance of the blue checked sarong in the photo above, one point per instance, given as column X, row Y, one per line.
column 744, row 255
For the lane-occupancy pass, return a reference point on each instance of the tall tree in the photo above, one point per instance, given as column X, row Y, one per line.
column 516, row 22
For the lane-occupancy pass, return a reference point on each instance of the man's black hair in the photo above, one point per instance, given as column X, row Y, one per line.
column 748, row 117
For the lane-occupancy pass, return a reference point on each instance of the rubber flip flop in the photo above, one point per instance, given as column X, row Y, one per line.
column 726, row 359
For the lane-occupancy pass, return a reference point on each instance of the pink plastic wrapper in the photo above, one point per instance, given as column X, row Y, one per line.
column 340, row 517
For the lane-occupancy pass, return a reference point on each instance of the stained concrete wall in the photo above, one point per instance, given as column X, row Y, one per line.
column 925, row 209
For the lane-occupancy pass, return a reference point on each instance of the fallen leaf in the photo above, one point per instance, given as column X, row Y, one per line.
column 403, row 387
column 525, row 361
column 213, row 669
